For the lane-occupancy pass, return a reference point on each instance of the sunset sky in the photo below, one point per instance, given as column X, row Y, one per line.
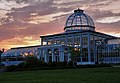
column 23, row 21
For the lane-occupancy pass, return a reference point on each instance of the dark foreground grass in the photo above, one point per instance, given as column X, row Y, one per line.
column 83, row 75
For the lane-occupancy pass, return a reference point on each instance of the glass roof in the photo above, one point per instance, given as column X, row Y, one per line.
column 19, row 51
column 79, row 19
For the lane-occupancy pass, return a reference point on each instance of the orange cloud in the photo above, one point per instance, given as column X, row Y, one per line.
column 22, row 22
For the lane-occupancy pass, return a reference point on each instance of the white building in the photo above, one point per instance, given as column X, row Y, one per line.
column 15, row 56
column 79, row 34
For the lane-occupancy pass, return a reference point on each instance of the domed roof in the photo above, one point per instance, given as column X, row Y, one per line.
column 79, row 21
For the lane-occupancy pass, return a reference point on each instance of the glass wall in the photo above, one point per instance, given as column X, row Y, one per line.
column 77, row 40
column 84, row 54
column 63, row 39
column 109, row 53
column 92, row 48
column 50, row 41
column 70, row 40
column 84, row 40
column 87, row 42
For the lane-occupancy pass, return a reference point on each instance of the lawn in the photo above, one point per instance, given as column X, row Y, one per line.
column 83, row 75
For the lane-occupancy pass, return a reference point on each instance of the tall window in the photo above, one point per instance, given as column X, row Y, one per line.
column 91, row 40
column 84, row 54
column 85, row 40
column 70, row 40
column 77, row 41
column 50, row 41
column 63, row 40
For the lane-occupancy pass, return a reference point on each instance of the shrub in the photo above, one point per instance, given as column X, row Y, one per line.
column 53, row 64
column 44, row 64
column 70, row 64
column 31, row 62
column 63, row 64
column 21, row 66
column 11, row 68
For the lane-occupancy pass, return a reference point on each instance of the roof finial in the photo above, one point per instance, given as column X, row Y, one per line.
column 78, row 10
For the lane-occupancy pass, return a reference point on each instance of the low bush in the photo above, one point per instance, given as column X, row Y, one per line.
column 52, row 64
column 11, row 68
column 32, row 63
column 70, row 64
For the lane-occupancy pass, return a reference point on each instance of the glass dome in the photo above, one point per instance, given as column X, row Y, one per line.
column 79, row 21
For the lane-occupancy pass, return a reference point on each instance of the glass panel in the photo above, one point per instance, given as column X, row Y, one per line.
column 84, row 40
column 84, row 54
column 70, row 41
column 77, row 41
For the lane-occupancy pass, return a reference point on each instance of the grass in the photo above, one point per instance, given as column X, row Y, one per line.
column 83, row 75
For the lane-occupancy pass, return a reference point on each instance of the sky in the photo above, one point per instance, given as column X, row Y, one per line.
column 23, row 21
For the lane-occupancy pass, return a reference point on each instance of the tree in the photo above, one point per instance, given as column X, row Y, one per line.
column 31, row 61
column 1, row 51
column 75, row 53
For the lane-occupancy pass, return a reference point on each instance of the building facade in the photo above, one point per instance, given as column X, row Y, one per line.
column 110, row 52
column 79, row 34
column 15, row 56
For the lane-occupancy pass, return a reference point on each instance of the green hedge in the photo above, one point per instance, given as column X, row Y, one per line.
column 33, row 63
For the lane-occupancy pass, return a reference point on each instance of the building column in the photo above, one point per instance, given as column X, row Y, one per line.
column 61, row 54
column 39, row 55
column 66, row 41
column 53, row 56
column 95, row 49
column 81, row 47
column 69, row 59
column 46, row 56
column 89, row 56
column 60, row 40
column 73, row 42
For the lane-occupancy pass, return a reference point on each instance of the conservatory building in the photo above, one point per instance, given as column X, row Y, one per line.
column 15, row 56
column 79, row 33
column 79, row 43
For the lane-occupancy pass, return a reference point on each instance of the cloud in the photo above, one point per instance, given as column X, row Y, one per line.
column 20, row 42
column 8, row 4
column 107, row 5
column 26, row 19
column 109, row 28
column 46, row 18
column 109, row 19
